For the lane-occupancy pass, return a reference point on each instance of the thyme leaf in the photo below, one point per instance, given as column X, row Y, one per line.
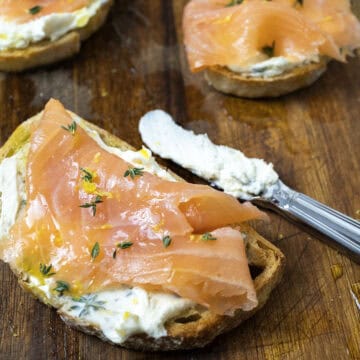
column 166, row 241
column 71, row 128
column 234, row 2
column 208, row 236
column 88, row 176
column 95, row 251
column 124, row 245
column 132, row 172
column 35, row 9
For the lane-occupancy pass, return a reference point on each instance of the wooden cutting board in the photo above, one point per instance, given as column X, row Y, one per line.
column 136, row 63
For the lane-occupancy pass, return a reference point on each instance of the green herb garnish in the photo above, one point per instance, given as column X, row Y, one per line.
column 35, row 9
column 208, row 236
column 61, row 287
column 95, row 251
column 71, row 128
column 93, row 204
column 45, row 270
column 132, row 172
column 88, row 303
column 124, row 245
column 269, row 50
column 234, row 2
column 166, row 241
column 88, row 176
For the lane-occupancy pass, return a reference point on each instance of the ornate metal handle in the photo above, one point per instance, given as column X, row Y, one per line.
column 339, row 227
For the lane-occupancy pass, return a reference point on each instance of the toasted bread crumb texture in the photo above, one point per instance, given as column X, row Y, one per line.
column 198, row 326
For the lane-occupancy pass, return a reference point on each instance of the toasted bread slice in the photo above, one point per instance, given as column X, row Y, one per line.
column 47, row 52
column 229, row 82
column 197, row 326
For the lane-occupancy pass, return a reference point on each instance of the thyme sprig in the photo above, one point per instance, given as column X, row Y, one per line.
column 45, row 270
column 93, row 204
column 88, row 303
column 71, row 128
column 61, row 287
column 87, row 176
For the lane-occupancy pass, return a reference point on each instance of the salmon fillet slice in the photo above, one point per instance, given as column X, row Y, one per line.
column 99, row 224
column 225, row 33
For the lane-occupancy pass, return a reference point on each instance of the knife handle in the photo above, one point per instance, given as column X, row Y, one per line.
column 341, row 228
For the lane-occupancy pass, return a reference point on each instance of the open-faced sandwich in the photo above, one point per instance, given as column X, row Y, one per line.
column 34, row 33
column 257, row 48
column 121, row 247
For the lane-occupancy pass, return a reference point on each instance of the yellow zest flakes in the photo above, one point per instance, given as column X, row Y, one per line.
column 106, row 194
column 223, row 20
column 96, row 158
column 144, row 153
column 76, row 287
column 135, row 301
column 327, row 18
column 3, row 36
column 126, row 315
column 158, row 227
column 121, row 332
column 89, row 188
column 82, row 21
column 106, row 227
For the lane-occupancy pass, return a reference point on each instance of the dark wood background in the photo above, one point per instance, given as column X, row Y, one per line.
column 136, row 63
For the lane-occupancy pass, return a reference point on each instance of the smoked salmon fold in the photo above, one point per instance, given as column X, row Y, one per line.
column 101, row 223
column 243, row 33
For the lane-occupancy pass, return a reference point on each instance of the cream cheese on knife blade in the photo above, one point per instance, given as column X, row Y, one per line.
column 227, row 168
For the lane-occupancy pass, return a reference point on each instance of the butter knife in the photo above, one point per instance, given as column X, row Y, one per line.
column 245, row 178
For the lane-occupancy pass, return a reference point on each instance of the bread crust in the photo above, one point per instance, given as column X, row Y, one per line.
column 198, row 326
column 47, row 52
column 229, row 82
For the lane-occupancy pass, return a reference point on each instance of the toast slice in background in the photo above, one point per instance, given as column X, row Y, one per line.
column 47, row 52
column 191, row 329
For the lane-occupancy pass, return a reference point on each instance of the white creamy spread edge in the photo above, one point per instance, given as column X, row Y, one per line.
column 52, row 26
column 227, row 168
column 271, row 67
column 117, row 313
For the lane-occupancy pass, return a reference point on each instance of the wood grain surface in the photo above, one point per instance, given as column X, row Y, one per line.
column 136, row 63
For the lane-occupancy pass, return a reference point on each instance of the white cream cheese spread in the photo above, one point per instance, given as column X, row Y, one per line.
column 271, row 67
column 17, row 36
column 227, row 168
column 118, row 313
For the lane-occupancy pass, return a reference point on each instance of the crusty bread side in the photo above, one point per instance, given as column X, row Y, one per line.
column 47, row 52
column 198, row 326
column 229, row 82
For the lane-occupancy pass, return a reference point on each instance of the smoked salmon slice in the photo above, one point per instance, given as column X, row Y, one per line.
column 223, row 32
column 27, row 10
column 100, row 222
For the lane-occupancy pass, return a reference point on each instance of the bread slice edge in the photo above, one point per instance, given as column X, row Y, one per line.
column 230, row 82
